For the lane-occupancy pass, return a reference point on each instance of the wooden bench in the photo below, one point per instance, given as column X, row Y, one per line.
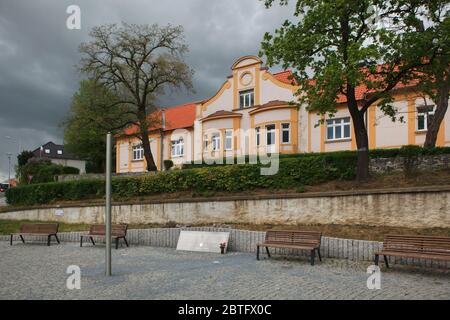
column 37, row 229
column 118, row 231
column 303, row 240
column 422, row 247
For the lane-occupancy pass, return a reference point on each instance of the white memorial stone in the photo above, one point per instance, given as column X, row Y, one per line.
column 202, row 241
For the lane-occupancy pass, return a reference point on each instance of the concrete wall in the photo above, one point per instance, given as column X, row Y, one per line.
column 424, row 207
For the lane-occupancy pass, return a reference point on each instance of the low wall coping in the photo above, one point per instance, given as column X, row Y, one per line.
column 347, row 193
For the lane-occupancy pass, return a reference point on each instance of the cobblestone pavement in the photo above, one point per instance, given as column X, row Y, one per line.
column 35, row 271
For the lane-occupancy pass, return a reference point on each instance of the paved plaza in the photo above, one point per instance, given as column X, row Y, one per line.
column 35, row 271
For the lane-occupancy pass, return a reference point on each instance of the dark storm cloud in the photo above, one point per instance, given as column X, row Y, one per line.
column 38, row 54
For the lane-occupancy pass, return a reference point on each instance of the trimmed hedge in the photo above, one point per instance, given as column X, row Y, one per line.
column 293, row 172
column 409, row 150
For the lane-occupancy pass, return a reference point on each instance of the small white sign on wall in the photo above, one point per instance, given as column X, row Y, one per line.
column 59, row 212
column 202, row 241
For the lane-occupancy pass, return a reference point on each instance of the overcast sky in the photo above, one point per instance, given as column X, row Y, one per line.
column 38, row 55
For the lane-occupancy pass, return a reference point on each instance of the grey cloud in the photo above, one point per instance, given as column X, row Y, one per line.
column 38, row 54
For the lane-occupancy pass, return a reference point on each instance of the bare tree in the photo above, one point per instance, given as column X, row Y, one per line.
column 138, row 63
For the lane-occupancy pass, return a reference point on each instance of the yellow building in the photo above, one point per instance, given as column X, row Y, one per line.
column 251, row 113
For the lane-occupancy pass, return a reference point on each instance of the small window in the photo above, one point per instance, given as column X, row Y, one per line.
column 228, row 140
column 285, row 133
column 177, row 148
column 270, row 134
column 258, row 136
column 424, row 117
column 246, row 98
column 338, row 129
column 205, row 143
column 138, row 152
column 215, row 138
column 59, row 151
column 47, row 151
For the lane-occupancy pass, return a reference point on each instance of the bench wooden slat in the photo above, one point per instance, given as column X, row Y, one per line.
column 292, row 239
column 421, row 247
column 37, row 229
column 118, row 231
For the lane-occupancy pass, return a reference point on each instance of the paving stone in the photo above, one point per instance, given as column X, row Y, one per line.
column 35, row 271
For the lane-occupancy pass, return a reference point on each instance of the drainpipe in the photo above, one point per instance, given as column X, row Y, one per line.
column 161, row 151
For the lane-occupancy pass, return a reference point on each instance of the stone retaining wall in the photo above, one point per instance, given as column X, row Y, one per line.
column 245, row 241
column 425, row 207
column 383, row 165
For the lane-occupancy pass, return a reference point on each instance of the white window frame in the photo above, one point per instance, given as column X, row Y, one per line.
column 425, row 114
column 246, row 98
column 258, row 136
column 228, row 140
column 137, row 152
column 272, row 134
column 215, row 141
column 288, row 130
column 333, row 123
column 205, row 143
column 47, row 151
column 59, row 152
column 177, row 148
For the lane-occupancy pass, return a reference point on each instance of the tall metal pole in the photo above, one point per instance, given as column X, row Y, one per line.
column 108, row 204
column 9, row 166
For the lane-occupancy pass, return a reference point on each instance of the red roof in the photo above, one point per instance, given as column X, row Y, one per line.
column 361, row 90
column 177, row 117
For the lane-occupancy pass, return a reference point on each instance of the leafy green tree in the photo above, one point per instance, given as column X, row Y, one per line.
column 42, row 171
column 23, row 157
column 90, row 118
column 138, row 63
column 429, row 21
column 345, row 44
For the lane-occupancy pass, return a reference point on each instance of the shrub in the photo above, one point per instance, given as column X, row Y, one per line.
column 70, row 170
column 168, row 164
column 43, row 170
column 295, row 172
column 205, row 180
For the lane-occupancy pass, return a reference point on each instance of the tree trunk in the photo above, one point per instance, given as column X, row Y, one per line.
column 151, row 166
column 441, row 102
column 362, row 144
column 360, row 132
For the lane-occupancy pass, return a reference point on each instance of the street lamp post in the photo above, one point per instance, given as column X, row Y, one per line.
column 9, row 154
column 108, row 203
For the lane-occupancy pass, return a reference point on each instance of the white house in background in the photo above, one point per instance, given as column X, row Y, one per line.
column 251, row 113
column 56, row 154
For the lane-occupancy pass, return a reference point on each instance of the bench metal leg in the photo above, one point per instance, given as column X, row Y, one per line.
column 57, row 240
column 386, row 261
column 268, row 253
column 48, row 239
column 313, row 254
column 117, row 243
column 92, row 240
column 126, row 242
column 318, row 253
column 377, row 259
column 11, row 240
column 81, row 241
column 21, row 238
column 257, row 252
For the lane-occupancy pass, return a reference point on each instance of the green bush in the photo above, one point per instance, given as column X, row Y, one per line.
column 70, row 170
column 43, row 171
column 292, row 173
column 295, row 171
column 168, row 164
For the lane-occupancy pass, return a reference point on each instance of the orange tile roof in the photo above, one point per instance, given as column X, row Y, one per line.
column 361, row 90
column 177, row 117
